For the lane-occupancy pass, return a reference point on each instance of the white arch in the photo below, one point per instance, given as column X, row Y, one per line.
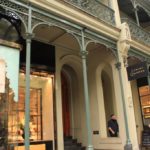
column 100, row 100
column 73, row 61
column 105, row 66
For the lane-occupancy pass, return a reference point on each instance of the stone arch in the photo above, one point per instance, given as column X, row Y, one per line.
column 99, row 58
column 108, row 96
column 73, row 71
column 73, row 60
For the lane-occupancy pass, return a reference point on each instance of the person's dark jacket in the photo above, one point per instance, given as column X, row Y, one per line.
column 114, row 126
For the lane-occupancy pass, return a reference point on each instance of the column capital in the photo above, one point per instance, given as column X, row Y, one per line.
column 28, row 36
column 118, row 65
column 83, row 53
column 136, row 9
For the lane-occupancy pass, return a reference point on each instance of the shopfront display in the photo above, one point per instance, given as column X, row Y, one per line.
column 144, row 93
column 16, row 115
column 12, row 116
column 35, row 114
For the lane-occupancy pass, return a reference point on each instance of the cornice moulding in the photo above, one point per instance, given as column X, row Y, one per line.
column 140, row 47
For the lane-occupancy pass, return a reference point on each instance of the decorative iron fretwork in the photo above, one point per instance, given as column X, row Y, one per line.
column 13, row 19
column 18, row 10
column 139, row 55
column 44, row 18
column 94, row 8
column 40, row 16
column 101, row 39
column 137, row 32
column 14, row 6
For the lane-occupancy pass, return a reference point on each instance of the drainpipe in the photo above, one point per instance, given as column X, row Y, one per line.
column 27, row 81
column 86, row 94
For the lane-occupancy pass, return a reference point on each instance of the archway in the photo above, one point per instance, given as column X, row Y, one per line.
column 70, row 101
column 65, row 103
column 65, row 46
column 108, row 95
column 102, row 87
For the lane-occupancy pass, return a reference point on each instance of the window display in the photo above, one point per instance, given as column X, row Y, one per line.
column 12, row 114
column 8, row 117
column 144, row 92
column 16, row 116
column 35, row 114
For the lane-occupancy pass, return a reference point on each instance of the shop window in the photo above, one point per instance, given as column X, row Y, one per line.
column 13, row 115
column 8, row 117
column 35, row 114
column 144, row 92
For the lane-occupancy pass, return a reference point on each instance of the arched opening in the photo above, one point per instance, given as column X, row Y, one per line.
column 108, row 96
column 70, row 102
column 102, row 89
column 66, row 95
column 63, row 44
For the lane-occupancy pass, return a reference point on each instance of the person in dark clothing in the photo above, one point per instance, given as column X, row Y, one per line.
column 113, row 127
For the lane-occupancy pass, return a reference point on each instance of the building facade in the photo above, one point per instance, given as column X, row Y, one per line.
column 64, row 72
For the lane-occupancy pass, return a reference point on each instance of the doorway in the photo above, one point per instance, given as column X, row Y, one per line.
column 65, row 104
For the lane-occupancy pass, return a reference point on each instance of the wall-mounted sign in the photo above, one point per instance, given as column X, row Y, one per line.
column 137, row 71
column 2, row 75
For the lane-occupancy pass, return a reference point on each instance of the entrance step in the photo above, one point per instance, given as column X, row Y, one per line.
column 72, row 144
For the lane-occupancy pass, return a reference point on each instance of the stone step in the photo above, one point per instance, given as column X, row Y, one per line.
column 72, row 144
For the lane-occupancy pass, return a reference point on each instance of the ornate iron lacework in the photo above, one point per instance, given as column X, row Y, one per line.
column 42, row 18
column 101, row 40
column 15, row 9
column 14, row 6
column 142, row 57
column 137, row 32
column 94, row 8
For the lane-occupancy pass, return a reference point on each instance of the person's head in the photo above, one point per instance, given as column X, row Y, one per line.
column 113, row 117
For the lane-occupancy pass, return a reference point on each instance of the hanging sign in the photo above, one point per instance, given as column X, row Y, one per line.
column 137, row 71
column 2, row 76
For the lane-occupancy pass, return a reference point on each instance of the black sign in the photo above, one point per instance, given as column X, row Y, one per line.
column 146, row 139
column 137, row 71
column 95, row 132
